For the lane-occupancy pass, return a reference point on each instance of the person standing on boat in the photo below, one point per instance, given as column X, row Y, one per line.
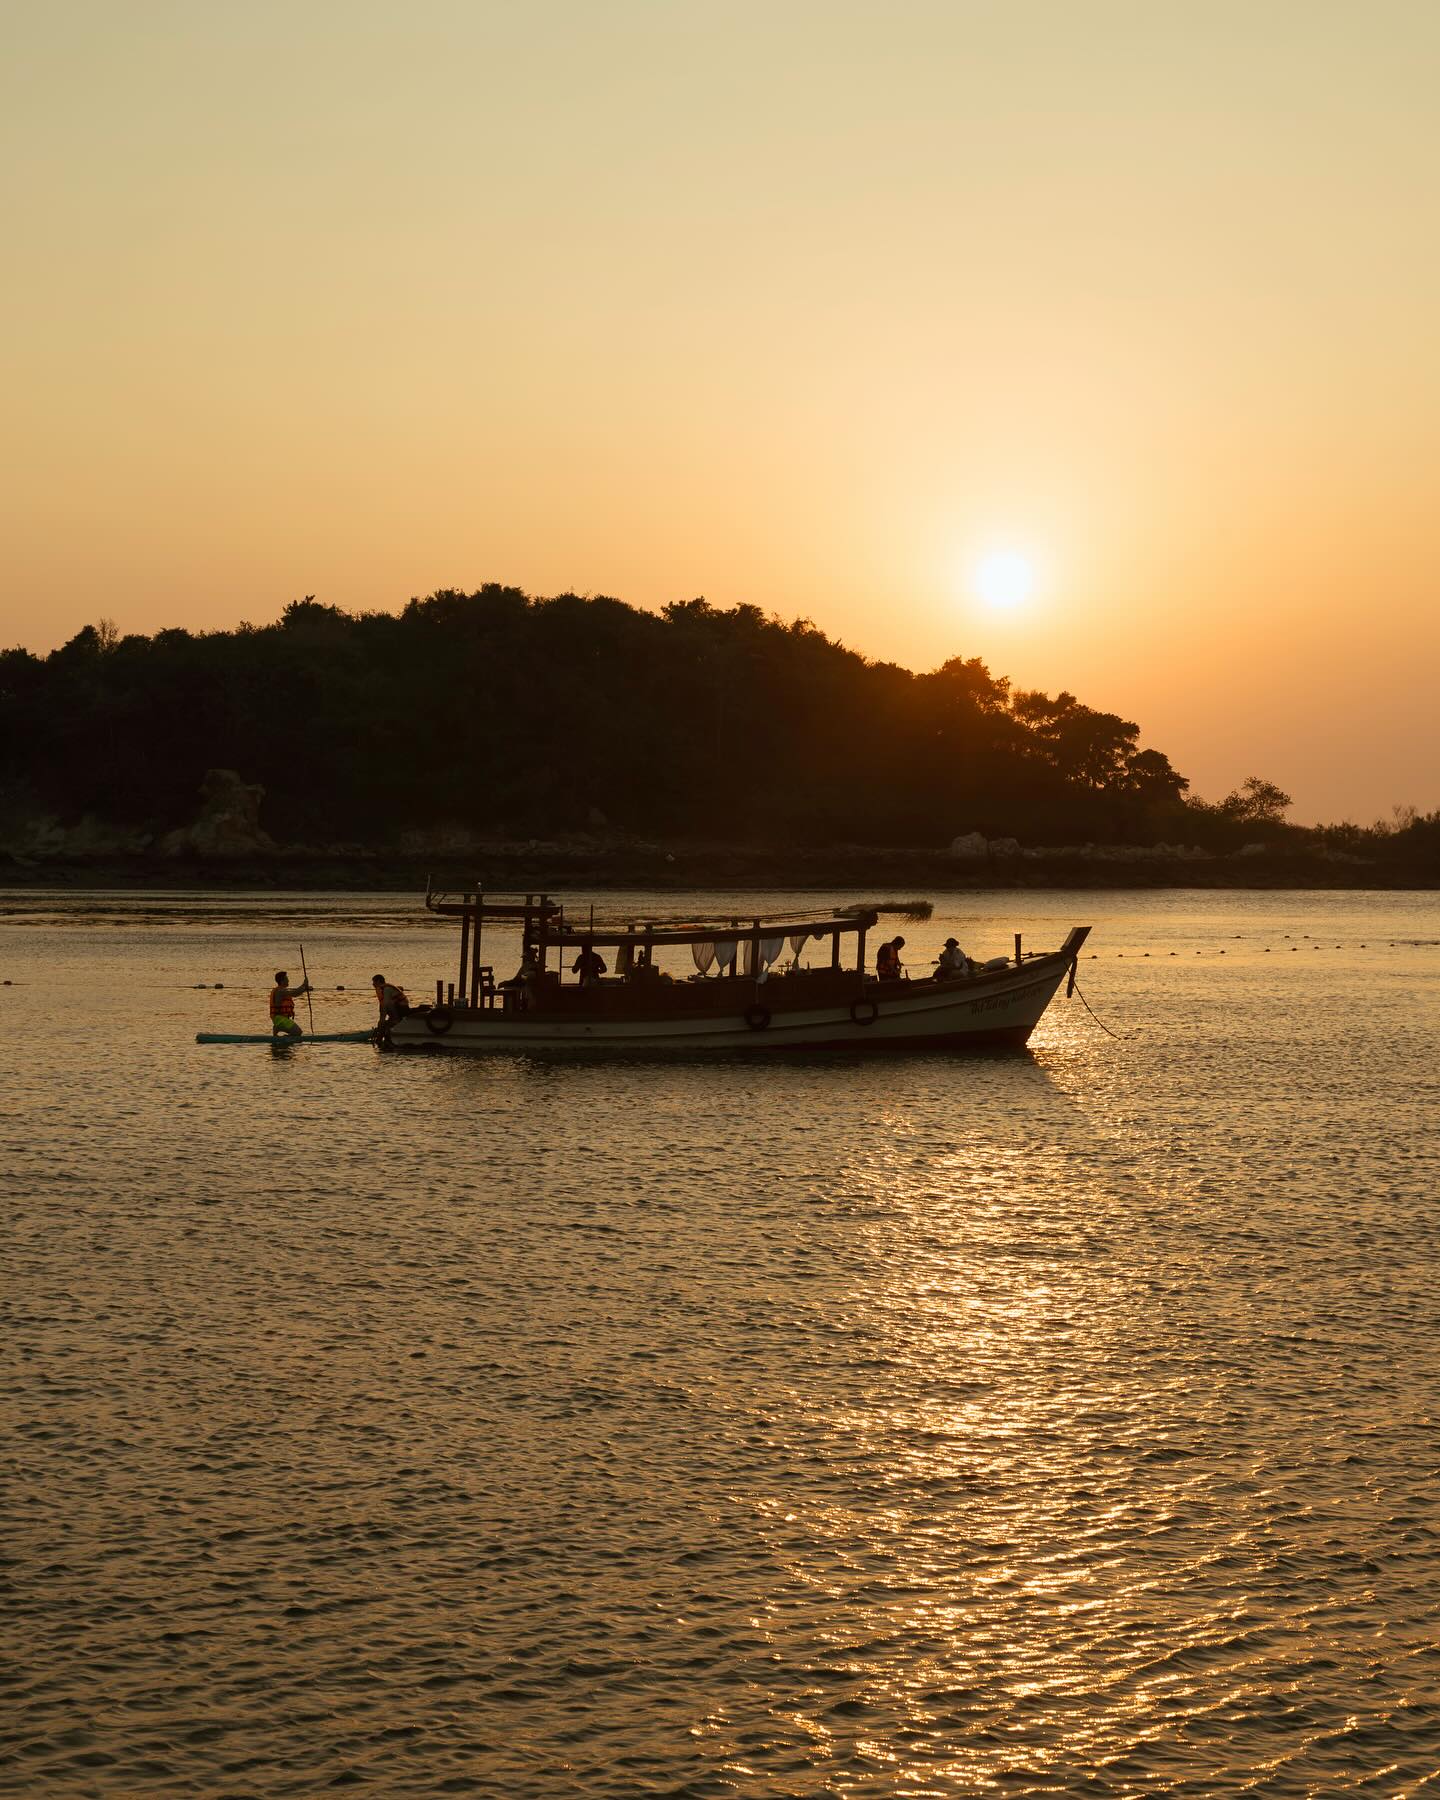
column 589, row 965
column 282, row 1005
column 391, row 1000
column 887, row 960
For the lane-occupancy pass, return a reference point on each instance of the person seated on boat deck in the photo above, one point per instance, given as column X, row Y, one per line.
column 391, row 1000
column 952, row 960
column 589, row 965
column 888, row 966
column 282, row 1005
column 518, row 991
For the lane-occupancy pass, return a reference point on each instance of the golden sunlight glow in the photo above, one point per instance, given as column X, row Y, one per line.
column 1003, row 579
column 926, row 373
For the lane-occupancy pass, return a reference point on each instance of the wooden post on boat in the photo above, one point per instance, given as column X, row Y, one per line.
column 475, row 953
column 542, row 939
column 461, row 985
column 1017, row 949
column 439, row 991
column 860, row 953
column 835, row 950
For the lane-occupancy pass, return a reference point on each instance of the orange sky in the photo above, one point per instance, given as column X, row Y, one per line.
column 801, row 304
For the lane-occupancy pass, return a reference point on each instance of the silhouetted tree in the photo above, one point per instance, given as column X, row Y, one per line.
column 1257, row 802
column 505, row 713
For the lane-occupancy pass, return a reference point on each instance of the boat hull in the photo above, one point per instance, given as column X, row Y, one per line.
column 993, row 1010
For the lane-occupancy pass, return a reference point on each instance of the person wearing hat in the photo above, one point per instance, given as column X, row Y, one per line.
column 282, row 1005
column 952, row 959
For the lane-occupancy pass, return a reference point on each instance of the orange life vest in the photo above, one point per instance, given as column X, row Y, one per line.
column 282, row 1004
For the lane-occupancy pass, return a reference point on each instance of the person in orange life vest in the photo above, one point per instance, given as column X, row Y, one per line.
column 887, row 960
column 282, row 1005
column 392, row 1001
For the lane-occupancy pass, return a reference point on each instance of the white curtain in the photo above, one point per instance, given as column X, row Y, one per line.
column 770, row 948
column 798, row 941
column 725, row 952
column 704, row 955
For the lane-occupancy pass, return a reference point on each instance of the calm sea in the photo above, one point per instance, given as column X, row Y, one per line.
column 1061, row 1423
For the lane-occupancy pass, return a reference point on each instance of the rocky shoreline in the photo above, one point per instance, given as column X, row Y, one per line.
column 568, row 866
column 226, row 846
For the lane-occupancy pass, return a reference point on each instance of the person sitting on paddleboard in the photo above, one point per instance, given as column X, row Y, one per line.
column 282, row 1005
column 391, row 1000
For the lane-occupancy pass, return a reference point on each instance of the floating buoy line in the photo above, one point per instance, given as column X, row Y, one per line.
column 1266, row 949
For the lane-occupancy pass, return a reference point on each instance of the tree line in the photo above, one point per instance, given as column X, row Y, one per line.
column 516, row 716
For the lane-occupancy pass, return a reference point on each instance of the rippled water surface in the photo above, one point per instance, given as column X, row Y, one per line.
column 1060, row 1423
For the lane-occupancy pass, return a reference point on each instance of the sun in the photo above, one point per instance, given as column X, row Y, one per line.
column 1003, row 579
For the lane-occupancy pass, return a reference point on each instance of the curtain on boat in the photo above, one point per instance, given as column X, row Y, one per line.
column 704, row 955
column 725, row 952
column 757, row 958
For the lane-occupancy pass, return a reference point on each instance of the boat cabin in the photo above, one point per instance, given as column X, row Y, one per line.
column 729, row 954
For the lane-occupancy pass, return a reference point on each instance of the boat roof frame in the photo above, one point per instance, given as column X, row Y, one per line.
column 542, row 912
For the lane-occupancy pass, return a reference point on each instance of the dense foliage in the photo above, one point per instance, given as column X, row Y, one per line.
column 506, row 715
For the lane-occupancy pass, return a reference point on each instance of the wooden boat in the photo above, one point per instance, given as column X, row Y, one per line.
column 284, row 1038
column 744, row 996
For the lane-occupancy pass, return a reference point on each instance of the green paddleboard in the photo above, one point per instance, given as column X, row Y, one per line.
column 309, row 1037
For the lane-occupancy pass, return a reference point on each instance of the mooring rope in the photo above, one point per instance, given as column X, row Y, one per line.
column 1119, row 1036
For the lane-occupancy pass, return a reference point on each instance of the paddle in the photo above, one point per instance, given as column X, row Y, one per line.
column 306, row 974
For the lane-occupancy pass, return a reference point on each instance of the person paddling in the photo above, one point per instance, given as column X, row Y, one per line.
column 282, row 1005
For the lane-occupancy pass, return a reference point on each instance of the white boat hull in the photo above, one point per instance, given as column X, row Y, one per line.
column 995, row 1009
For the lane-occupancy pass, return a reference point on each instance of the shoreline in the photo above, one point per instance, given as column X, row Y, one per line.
column 552, row 867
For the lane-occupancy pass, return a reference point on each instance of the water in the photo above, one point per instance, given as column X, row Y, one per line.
column 1053, row 1424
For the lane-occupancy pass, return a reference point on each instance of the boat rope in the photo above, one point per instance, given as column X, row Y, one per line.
column 1120, row 1036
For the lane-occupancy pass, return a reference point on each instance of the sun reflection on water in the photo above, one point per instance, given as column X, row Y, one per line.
column 1037, row 1425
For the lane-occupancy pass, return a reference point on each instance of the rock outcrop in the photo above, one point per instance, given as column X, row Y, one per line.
column 228, row 823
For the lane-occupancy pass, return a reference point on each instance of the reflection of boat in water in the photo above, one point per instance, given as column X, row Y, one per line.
column 748, row 990
column 280, row 1040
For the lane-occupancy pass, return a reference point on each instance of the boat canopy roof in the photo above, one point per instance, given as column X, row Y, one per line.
column 560, row 922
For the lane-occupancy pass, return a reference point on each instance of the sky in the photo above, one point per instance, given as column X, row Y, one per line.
column 808, row 304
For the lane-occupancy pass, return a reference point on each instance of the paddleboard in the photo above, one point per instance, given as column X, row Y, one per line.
column 309, row 1037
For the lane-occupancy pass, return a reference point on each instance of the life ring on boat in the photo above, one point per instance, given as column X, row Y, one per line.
column 863, row 1012
column 439, row 1019
column 757, row 1017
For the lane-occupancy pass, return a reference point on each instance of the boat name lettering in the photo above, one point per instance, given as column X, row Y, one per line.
column 996, row 1002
